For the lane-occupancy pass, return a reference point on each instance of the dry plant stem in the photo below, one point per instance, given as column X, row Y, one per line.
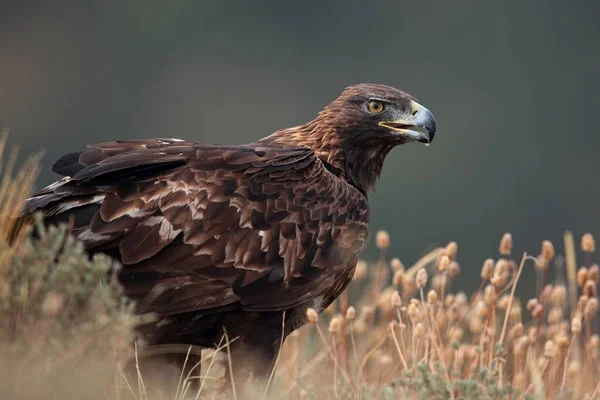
column 141, row 386
column 278, row 354
column 342, row 345
column 209, row 367
column 187, row 355
column 571, row 263
column 491, row 350
column 511, row 299
column 399, row 314
column 128, row 385
column 436, row 343
column 230, row 364
column 541, row 375
column 379, row 275
column 312, row 364
column 333, row 358
column 596, row 390
column 355, row 353
column 363, row 364
column 402, row 359
column 475, row 293
column 335, row 367
column 566, row 363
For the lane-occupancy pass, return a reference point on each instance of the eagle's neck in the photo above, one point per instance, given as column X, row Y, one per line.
column 360, row 165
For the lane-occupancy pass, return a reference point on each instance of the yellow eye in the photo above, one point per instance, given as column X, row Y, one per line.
column 375, row 107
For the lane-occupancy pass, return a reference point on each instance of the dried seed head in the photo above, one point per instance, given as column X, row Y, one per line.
column 455, row 334
column 501, row 267
column 460, row 299
column 515, row 312
column 475, row 326
column 555, row 315
column 594, row 343
column 451, row 250
column 549, row 349
column 408, row 285
column 396, row 265
column 532, row 303
column 444, row 263
column 419, row 330
column 53, row 304
column 481, row 309
column 360, row 271
column 382, row 240
column 350, row 313
column 594, row 273
column 591, row 308
column 432, row 297
column 398, row 277
column 421, row 278
column 312, row 316
column 487, row 270
column 498, row 280
column 545, row 295
column 521, row 345
column 588, row 244
column 562, row 341
column 574, row 368
column 506, row 245
column 335, row 324
column 532, row 334
column 412, row 310
column 538, row 311
column 547, row 250
column 500, row 274
column 589, row 288
column 396, row 300
column 558, row 297
column 438, row 282
column 541, row 362
column 454, row 269
column 385, row 359
column 582, row 276
column 576, row 323
column 489, row 295
column 503, row 302
column 516, row 331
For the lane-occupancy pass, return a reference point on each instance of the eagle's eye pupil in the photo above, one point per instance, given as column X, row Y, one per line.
column 375, row 107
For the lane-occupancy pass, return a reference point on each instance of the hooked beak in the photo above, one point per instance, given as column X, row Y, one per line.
column 419, row 126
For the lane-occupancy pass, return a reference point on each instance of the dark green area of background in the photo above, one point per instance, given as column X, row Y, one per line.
column 513, row 84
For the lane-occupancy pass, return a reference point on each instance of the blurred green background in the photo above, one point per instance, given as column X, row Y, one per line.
column 513, row 85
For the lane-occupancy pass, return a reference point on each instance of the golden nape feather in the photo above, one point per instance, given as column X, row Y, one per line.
column 216, row 238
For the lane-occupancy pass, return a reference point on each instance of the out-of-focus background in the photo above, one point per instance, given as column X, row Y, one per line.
column 514, row 87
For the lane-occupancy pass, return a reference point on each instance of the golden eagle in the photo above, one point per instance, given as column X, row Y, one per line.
column 242, row 239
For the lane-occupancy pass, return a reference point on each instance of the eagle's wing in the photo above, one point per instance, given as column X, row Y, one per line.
column 201, row 226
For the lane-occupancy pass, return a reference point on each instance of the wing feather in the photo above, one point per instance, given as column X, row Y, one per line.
column 201, row 226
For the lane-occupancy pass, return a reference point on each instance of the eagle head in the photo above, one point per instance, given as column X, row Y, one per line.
column 375, row 115
column 355, row 132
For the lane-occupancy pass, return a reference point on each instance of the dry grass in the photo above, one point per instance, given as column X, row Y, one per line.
column 396, row 332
